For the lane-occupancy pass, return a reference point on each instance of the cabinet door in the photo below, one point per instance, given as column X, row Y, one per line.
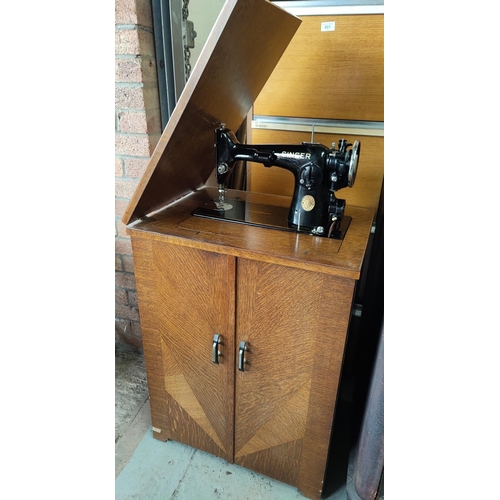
column 295, row 324
column 186, row 296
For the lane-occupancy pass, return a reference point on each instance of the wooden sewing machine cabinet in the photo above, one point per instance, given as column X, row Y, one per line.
column 207, row 286
column 288, row 296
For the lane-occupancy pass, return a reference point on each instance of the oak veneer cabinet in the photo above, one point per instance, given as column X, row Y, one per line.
column 279, row 300
column 288, row 296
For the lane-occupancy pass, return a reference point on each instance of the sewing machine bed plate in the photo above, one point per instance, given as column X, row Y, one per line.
column 257, row 214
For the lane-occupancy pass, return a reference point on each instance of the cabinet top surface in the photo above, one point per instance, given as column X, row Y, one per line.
column 243, row 48
column 175, row 224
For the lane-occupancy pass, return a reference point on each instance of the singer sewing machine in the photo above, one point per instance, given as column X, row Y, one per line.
column 318, row 171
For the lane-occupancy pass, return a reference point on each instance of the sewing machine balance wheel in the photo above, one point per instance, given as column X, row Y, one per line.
column 353, row 164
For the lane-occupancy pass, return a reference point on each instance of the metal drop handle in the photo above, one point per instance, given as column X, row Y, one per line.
column 241, row 356
column 215, row 348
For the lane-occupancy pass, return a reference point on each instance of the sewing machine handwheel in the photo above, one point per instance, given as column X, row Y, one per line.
column 353, row 164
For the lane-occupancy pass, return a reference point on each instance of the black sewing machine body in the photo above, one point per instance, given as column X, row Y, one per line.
column 318, row 171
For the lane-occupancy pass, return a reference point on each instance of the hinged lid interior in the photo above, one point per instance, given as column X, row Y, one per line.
column 245, row 44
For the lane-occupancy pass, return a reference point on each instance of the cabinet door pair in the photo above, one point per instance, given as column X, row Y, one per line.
column 274, row 416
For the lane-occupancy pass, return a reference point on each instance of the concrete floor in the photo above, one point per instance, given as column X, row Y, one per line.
column 150, row 469
column 132, row 413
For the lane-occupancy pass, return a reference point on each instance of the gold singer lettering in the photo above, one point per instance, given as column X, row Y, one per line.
column 298, row 154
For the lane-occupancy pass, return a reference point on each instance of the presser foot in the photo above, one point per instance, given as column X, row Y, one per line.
column 220, row 202
column 222, row 206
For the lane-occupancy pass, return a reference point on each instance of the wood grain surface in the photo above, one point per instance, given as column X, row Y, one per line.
column 185, row 297
column 370, row 173
column 176, row 225
column 274, row 417
column 242, row 50
column 295, row 324
column 333, row 75
column 288, row 295
column 142, row 250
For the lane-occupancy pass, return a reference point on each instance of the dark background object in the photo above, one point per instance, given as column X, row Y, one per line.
column 366, row 462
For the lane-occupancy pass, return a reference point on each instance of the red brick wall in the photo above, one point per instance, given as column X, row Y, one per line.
column 137, row 130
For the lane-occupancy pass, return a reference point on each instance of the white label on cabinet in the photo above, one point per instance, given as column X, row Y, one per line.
column 329, row 26
column 156, row 429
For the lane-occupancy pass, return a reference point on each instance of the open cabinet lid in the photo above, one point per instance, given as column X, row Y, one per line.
column 245, row 44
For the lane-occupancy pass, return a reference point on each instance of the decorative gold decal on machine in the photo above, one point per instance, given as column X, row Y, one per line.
column 308, row 202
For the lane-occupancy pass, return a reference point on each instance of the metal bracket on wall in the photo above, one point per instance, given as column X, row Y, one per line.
column 174, row 37
column 189, row 34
